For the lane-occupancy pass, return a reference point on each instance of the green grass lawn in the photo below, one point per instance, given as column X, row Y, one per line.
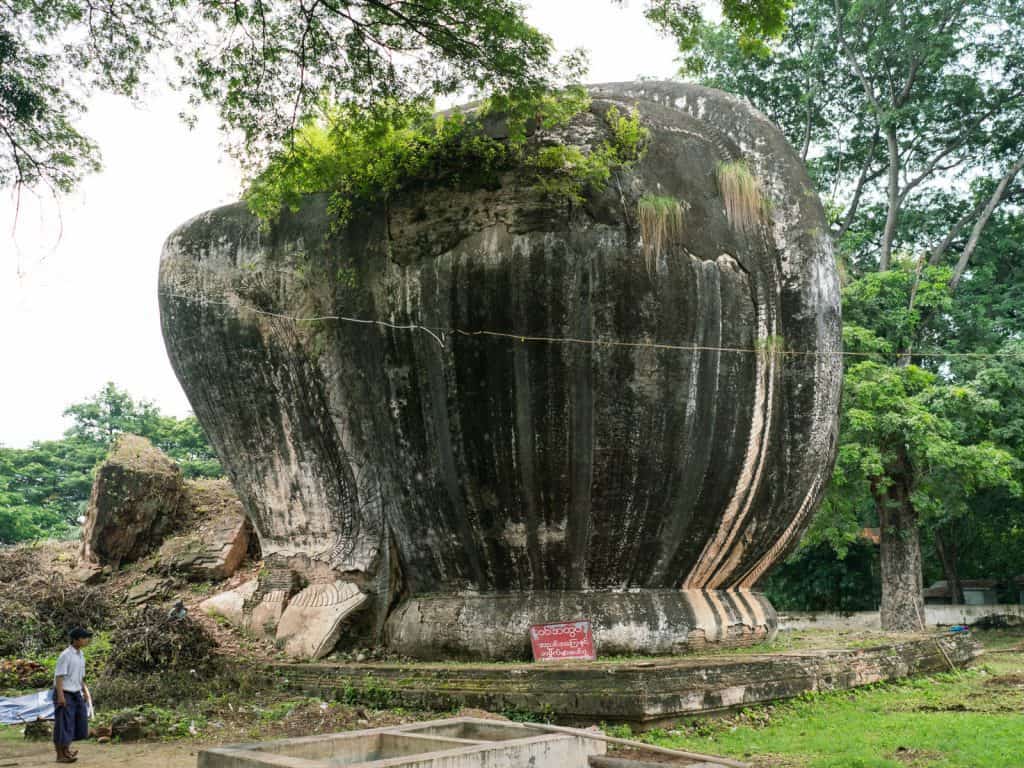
column 971, row 719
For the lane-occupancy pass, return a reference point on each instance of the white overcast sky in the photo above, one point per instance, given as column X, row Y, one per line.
column 78, row 303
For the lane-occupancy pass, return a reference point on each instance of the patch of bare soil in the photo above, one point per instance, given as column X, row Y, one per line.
column 173, row 755
column 645, row 756
column 915, row 757
column 1012, row 680
column 231, row 725
column 955, row 707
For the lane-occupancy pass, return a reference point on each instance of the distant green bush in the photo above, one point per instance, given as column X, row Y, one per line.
column 44, row 488
column 815, row 578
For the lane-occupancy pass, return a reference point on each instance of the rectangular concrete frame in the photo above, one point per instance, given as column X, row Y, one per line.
column 642, row 693
column 462, row 742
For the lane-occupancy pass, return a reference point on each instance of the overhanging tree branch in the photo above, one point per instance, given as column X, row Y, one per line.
column 979, row 226
column 940, row 250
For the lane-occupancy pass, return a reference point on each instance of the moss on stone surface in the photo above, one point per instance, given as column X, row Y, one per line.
column 661, row 221
column 741, row 191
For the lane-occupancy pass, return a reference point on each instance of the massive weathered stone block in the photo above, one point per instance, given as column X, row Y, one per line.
column 137, row 499
column 454, row 473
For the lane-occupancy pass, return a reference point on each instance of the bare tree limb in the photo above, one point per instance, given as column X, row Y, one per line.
column 980, row 224
column 940, row 250
column 933, row 166
column 894, row 201
column 858, row 190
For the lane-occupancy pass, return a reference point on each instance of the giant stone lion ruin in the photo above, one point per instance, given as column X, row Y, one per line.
column 436, row 490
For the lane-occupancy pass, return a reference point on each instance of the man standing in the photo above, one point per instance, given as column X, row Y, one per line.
column 71, row 697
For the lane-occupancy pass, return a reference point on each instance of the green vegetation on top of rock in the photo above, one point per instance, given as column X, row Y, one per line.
column 367, row 155
column 266, row 64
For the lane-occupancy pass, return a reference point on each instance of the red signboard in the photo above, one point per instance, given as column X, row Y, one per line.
column 558, row 642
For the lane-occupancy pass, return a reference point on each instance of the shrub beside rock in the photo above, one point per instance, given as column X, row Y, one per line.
column 37, row 609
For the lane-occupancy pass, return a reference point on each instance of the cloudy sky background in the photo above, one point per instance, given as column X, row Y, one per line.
column 78, row 276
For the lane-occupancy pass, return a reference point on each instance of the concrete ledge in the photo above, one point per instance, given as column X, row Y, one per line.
column 641, row 693
column 455, row 743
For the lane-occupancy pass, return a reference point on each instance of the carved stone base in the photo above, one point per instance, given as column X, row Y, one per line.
column 311, row 624
column 496, row 626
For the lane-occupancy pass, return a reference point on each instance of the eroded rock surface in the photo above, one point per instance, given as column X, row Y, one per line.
column 681, row 442
column 311, row 623
column 217, row 537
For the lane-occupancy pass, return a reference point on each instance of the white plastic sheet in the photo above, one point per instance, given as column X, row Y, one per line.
column 25, row 709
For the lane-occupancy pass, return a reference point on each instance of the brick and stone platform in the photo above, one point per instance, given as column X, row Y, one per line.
column 639, row 692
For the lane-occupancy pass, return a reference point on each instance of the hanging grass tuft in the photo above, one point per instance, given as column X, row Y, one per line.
column 661, row 220
column 741, row 191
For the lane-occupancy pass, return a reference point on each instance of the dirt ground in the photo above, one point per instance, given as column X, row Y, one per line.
column 150, row 755
column 172, row 755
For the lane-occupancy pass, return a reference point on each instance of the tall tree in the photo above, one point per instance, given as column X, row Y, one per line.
column 920, row 445
column 911, row 118
column 899, row 100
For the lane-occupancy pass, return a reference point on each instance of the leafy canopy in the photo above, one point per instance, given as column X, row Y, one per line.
column 952, row 433
column 268, row 65
column 909, row 114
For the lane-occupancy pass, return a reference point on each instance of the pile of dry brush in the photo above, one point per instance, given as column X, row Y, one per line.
column 151, row 639
column 38, row 609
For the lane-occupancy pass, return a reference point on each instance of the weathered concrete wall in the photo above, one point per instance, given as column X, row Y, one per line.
column 453, row 743
column 419, row 463
column 646, row 693
column 934, row 616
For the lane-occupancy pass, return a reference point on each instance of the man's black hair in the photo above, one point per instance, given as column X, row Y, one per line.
column 79, row 633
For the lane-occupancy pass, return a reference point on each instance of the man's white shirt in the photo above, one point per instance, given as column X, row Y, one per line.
column 70, row 666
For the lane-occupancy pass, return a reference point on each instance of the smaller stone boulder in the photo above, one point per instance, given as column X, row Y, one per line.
column 267, row 612
column 231, row 604
column 148, row 590
column 217, row 538
column 88, row 573
column 137, row 499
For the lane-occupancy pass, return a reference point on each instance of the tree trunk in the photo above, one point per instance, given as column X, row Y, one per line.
column 893, row 200
column 946, row 547
column 902, row 600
